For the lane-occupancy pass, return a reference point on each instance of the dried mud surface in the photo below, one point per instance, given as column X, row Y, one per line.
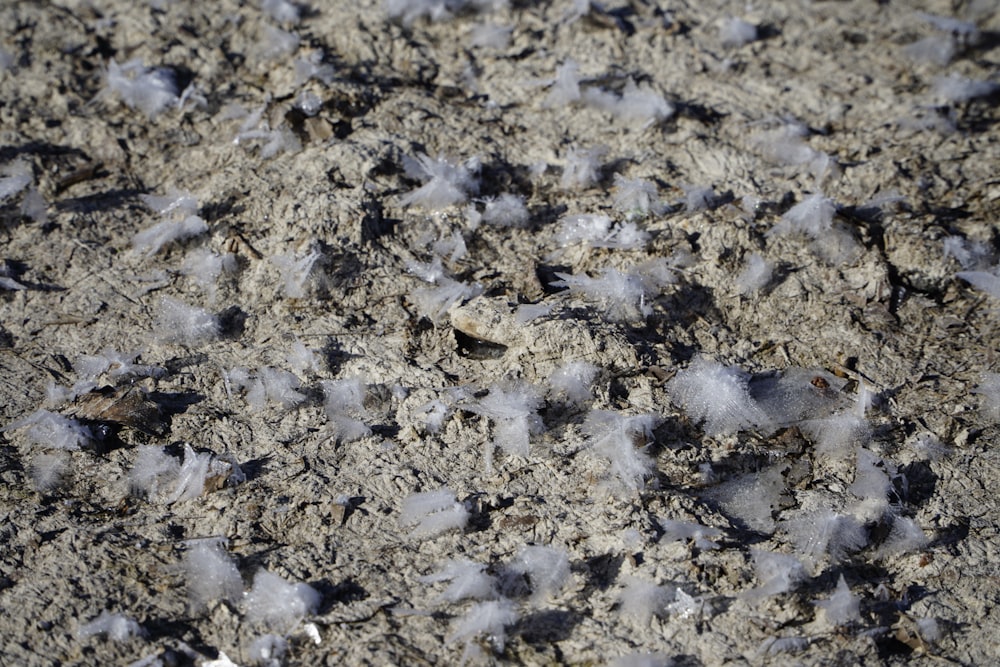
column 894, row 315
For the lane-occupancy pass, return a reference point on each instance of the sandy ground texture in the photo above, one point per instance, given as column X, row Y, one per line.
column 309, row 259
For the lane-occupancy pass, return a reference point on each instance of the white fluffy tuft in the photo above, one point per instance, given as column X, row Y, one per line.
column 49, row 470
column 210, row 574
column 636, row 105
column 513, row 407
column 753, row 498
column 345, row 408
column 621, row 296
column 718, row 396
column 546, row 568
column 642, row 599
column 149, row 241
column 956, row 88
column 842, row 607
column 785, row 145
column 703, row 536
column 989, row 395
column 582, row 168
column 14, row 177
column 777, row 573
column 435, row 302
column 115, row 364
column 468, row 581
column 489, row 619
column 905, row 536
column 433, row 513
column 268, row 650
column 281, row 11
column 622, row 442
column 507, row 210
column 278, row 604
column 116, row 627
column 52, row 430
column 735, row 32
column 153, row 469
column 295, row 272
column 446, row 182
column 813, row 217
column 185, row 325
column 565, row 88
column 636, row 197
column 269, row 384
column 755, row 276
column 202, row 472
column 490, row 36
column 984, row 281
column 151, row 90
column 822, row 533
column 204, row 267
column 573, row 380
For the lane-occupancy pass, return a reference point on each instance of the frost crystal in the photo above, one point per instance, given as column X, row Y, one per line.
column 211, row 574
column 735, row 32
column 490, row 36
column 445, row 182
column 597, row 231
column 955, row 88
column 565, row 89
column 435, row 302
column 841, row 608
column 622, row 296
column 280, row 10
column 115, row 364
column 703, row 536
column 717, row 395
column 643, row 599
column 622, row 441
column 638, row 105
column 198, row 471
column 117, row 627
column 14, row 177
column 276, row 43
column 984, row 281
column 295, row 272
column 204, row 267
column 433, row 513
column 514, row 411
column 755, row 276
column 345, row 408
column 268, row 650
column 468, row 581
column 486, row 618
column 547, row 569
column 48, row 471
column 279, row 604
column 820, row 533
column 813, row 217
column 52, row 430
column 785, row 146
column 153, row 468
column 140, row 87
column 185, row 325
column 636, row 197
column 507, row 210
column 573, row 380
column 905, row 536
column 989, row 392
column 777, row 573
column 582, row 168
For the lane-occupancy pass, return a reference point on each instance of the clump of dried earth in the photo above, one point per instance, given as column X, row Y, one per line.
column 317, row 510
